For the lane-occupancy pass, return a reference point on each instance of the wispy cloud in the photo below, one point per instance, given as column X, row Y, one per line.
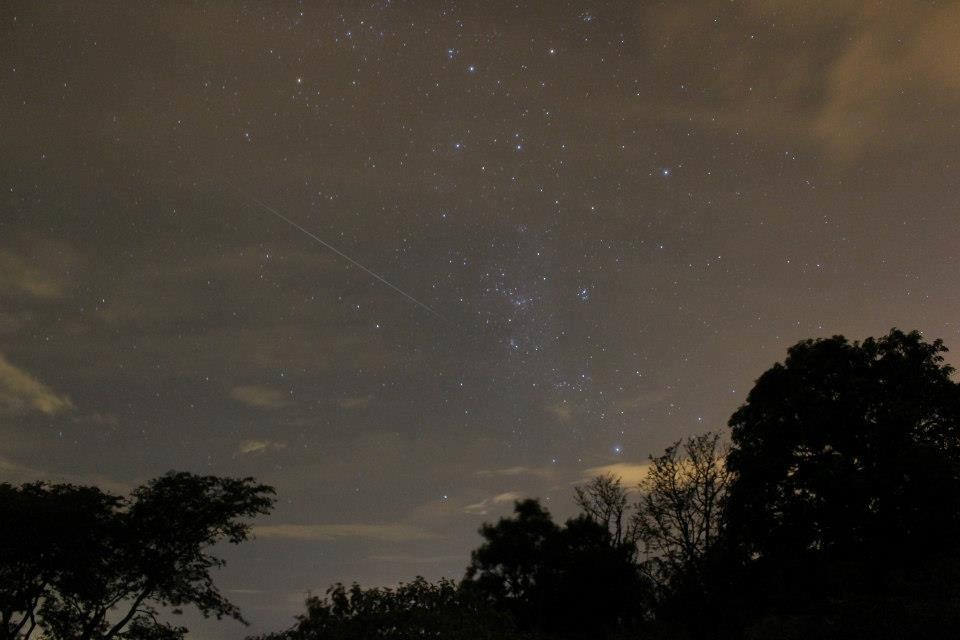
column 259, row 446
column 19, row 276
column 874, row 86
column 391, row 532
column 481, row 508
column 260, row 397
column 359, row 402
column 412, row 559
column 17, row 473
column 629, row 473
column 885, row 70
column 21, row 393
column 542, row 472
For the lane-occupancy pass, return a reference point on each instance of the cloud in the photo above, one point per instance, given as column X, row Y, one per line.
column 259, row 446
column 392, row 532
column 99, row 419
column 629, row 473
column 542, row 472
column 412, row 559
column 478, row 509
column 481, row 508
column 10, row 322
column 21, row 393
column 19, row 276
column 260, row 397
column 895, row 81
column 509, row 496
column 360, row 402
column 17, row 473
column 848, row 76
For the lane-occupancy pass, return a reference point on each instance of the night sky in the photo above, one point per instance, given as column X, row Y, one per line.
column 565, row 235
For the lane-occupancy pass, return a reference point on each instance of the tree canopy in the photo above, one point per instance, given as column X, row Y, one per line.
column 576, row 580
column 413, row 610
column 848, row 446
column 80, row 564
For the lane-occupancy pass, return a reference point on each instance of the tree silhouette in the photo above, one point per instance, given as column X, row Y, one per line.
column 510, row 564
column 571, row 581
column 679, row 514
column 603, row 499
column 414, row 610
column 86, row 565
column 50, row 540
column 847, row 486
column 847, row 446
column 593, row 588
column 834, row 513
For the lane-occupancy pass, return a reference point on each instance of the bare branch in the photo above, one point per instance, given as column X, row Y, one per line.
column 677, row 516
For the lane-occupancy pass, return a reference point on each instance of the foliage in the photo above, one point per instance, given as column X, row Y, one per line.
column 848, row 447
column 847, row 478
column 417, row 609
column 512, row 559
column 50, row 539
column 570, row 581
column 81, row 564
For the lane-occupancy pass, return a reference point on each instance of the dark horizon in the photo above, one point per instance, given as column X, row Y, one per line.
column 563, row 239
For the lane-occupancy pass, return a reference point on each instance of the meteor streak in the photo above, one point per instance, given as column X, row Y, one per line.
column 263, row 205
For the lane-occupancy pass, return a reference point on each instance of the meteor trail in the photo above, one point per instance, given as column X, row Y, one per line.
column 268, row 208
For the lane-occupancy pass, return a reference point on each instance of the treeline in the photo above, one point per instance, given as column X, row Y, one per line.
column 832, row 510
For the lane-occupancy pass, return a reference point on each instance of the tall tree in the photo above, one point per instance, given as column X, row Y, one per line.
column 679, row 514
column 511, row 561
column 99, row 566
column 571, row 581
column 846, row 461
column 50, row 539
column 848, row 447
